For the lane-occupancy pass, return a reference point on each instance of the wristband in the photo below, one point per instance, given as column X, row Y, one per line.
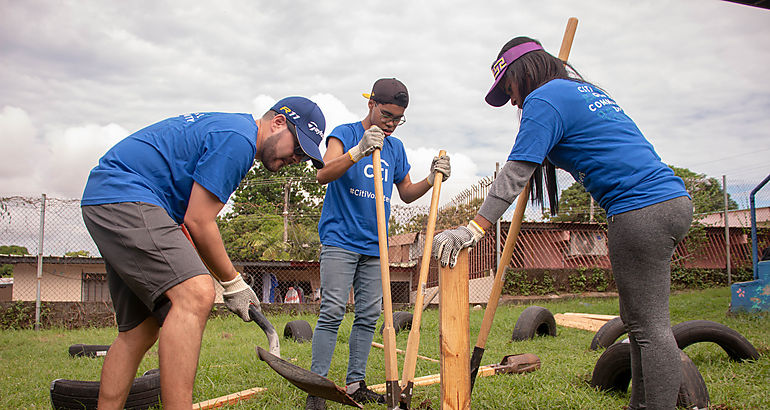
column 477, row 230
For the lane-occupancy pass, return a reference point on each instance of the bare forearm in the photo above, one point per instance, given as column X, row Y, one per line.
column 208, row 241
column 411, row 192
column 334, row 169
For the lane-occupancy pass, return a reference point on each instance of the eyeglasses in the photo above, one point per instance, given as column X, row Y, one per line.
column 389, row 117
column 298, row 151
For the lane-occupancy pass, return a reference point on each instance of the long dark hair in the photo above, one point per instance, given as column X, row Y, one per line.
column 529, row 72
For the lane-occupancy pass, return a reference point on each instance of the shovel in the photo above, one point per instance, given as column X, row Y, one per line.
column 306, row 380
column 392, row 390
column 254, row 313
column 413, row 344
column 510, row 241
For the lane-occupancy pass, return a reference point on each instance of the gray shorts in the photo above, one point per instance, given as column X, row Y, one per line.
column 145, row 253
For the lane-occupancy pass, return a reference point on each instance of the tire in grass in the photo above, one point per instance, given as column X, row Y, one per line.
column 82, row 350
column 613, row 373
column 75, row 394
column 608, row 334
column 734, row 344
column 298, row 330
column 401, row 321
column 534, row 321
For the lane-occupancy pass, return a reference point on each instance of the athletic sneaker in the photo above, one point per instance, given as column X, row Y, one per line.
column 360, row 393
column 315, row 403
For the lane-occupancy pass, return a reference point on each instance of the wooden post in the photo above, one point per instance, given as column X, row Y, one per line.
column 454, row 334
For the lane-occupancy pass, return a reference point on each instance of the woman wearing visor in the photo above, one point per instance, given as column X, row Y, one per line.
column 569, row 123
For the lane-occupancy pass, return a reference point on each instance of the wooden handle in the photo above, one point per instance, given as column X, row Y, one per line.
column 566, row 42
column 388, row 332
column 413, row 344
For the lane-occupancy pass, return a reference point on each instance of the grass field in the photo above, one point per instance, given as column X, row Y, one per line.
column 30, row 360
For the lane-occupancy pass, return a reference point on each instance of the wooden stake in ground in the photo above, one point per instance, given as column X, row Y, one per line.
column 392, row 392
column 454, row 334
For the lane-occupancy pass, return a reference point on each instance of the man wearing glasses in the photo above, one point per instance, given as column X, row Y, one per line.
column 348, row 229
column 180, row 170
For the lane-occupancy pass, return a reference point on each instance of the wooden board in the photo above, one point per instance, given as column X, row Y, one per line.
column 582, row 321
column 229, row 399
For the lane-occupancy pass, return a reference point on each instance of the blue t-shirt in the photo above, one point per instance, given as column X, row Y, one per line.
column 159, row 163
column 349, row 217
column 583, row 131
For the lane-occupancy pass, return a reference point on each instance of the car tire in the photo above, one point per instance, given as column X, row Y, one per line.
column 401, row 321
column 83, row 350
column 608, row 333
column 613, row 373
column 75, row 394
column 734, row 344
column 299, row 330
column 534, row 321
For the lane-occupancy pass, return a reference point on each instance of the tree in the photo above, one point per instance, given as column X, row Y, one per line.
column 254, row 229
column 707, row 193
column 6, row 270
column 13, row 250
column 78, row 253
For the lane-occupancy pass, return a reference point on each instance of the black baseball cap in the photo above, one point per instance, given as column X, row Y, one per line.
column 389, row 91
column 309, row 122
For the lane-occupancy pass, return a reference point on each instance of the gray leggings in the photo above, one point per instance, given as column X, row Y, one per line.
column 641, row 243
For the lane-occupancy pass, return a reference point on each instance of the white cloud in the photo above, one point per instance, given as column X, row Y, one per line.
column 56, row 163
column 72, row 153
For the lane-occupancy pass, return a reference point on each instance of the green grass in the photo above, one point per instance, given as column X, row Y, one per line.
column 30, row 360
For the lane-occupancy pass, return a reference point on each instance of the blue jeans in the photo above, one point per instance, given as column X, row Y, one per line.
column 340, row 269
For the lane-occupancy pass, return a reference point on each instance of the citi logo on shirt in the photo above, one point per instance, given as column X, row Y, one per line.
column 369, row 170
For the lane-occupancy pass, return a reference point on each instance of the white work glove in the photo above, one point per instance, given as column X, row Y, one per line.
column 238, row 296
column 448, row 244
column 373, row 138
column 440, row 164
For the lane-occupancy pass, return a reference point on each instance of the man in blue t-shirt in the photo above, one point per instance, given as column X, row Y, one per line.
column 348, row 228
column 180, row 170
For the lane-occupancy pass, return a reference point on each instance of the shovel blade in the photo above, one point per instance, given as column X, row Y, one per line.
column 306, row 380
column 518, row 363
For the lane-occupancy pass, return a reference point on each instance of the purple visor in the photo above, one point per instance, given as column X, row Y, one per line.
column 496, row 96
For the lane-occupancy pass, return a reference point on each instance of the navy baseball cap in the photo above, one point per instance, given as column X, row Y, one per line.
column 309, row 122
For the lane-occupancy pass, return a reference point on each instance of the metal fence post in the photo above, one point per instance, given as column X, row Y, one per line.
column 39, row 262
column 727, row 233
column 497, row 225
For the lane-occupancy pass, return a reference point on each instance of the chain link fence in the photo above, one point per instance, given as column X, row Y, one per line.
column 276, row 246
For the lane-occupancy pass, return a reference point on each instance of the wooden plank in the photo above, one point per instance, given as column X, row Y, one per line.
column 454, row 334
column 605, row 318
column 592, row 325
column 229, row 399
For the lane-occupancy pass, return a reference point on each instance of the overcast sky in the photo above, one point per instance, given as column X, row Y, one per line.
column 78, row 76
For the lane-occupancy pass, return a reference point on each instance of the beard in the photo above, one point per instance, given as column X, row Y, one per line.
column 269, row 156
